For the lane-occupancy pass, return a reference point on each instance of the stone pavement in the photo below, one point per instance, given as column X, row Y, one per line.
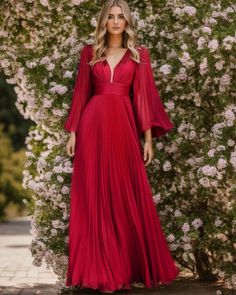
column 18, row 276
column 17, row 273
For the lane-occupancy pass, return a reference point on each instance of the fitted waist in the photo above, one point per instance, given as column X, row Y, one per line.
column 112, row 88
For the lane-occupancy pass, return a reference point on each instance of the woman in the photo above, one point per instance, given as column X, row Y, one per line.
column 115, row 236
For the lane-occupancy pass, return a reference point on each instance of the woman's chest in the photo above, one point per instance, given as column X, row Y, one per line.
column 123, row 72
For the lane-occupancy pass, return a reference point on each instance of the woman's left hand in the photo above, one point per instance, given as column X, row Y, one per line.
column 148, row 153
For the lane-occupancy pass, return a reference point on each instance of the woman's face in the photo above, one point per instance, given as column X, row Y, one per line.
column 116, row 21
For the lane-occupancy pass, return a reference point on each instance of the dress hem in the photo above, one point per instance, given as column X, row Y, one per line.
column 128, row 285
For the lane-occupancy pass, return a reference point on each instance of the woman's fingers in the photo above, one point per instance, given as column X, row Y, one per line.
column 70, row 146
column 145, row 154
column 70, row 149
column 149, row 160
column 148, row 155
column 69, row 153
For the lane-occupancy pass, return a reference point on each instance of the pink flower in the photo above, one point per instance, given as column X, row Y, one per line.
column 197, row 222
column 185, row 227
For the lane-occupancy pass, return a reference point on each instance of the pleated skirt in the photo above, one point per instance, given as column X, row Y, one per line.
column 115, row 235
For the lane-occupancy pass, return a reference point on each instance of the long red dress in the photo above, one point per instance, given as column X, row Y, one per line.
column 115, row 235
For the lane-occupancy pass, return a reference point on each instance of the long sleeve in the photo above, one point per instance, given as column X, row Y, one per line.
column 81, row 91
column 147, row 105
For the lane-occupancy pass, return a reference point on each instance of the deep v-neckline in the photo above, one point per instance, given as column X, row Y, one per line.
column 110, row 68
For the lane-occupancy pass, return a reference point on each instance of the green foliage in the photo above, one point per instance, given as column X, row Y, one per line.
column 14, row 125
column 11, row 165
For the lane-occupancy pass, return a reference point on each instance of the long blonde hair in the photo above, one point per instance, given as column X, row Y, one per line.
column 100, row 34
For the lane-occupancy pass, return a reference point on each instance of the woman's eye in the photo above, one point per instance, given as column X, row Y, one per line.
column 120, row 16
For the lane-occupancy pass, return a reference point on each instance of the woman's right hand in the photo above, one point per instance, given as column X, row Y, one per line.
column 70, row 146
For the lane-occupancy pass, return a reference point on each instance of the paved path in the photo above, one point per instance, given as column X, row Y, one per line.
column 19, row 276
column 17, row 273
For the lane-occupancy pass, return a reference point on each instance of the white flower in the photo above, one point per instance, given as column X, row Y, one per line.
column 204, row 181
column 184, row 47
column 217, row 129
column 77, row 2
column 44, row 2
column 165, row 69
column 141, row 24
column 211, row 153
column 182, row 75
column 53, row 232
column 229, row 115
column 47, row 103
column 231, row 142
column 218, row 222
column 221, row 274
column 4, row 63
column 233, row 160
column 192, row 134
column 57, row 169
column 50, row 67
column 187, row 247
column 173, row 247
column 220, row 148
column 178, row 11
column 68, row 74
column 213, row 45
column 177, row 213
column 196, row 223
column 228, row 42
column 206, row 30
column 31, row 64
column 209, row 170
column 186, row 59
column 203, row 66
column 45, row 61
column 159, row 145
column 156, row 198
column 190, row 10
column 170, row 105
column 171, row 238
column 39, row 203
column 225, row 80
column 233, row 279
column 185, row 227
column 219, row 65
column 167, row 166
column 200, row 43
column 60, row 89
column 58, row 112
column 60, row 178
column 65, row 190
column 221, row 164
column 48, row 175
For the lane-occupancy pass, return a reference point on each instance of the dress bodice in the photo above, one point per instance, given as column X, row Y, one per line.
column 120, row 82
column 128, row 77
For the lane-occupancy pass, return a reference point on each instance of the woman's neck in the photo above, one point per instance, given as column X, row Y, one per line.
column 115, row 41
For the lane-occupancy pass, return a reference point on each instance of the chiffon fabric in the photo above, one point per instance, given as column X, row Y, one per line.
column 115, row 235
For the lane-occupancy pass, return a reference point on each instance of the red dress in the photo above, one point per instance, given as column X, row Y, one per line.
column 115, row 235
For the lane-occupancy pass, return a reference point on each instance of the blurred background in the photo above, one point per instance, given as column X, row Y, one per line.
column 13, row 130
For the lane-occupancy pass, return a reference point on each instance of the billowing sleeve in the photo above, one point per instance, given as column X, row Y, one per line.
column 81, row 91
column 147, row 105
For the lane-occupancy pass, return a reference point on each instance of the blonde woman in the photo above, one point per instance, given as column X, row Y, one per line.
column 115, row 236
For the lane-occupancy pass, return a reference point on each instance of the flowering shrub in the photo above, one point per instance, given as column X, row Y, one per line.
column 193, row 173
